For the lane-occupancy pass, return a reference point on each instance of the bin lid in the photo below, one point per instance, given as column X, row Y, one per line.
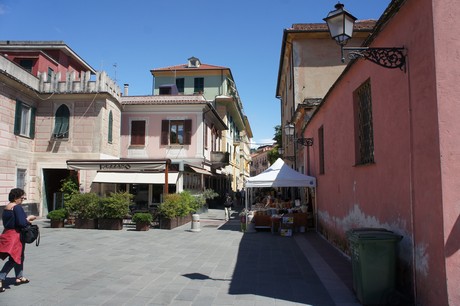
column 354, row 231
column 375, row 235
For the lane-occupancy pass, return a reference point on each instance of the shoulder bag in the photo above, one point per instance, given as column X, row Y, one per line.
column 30, row 233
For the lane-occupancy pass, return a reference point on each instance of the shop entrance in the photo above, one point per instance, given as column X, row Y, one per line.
column 51, row 186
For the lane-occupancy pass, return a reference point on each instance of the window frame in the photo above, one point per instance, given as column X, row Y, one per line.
column 364, row 131
column 166, row 127
column 180, row 84
column 24, row 122
column 61, row 122
column 198, row 85
column 137, row 139
column 321, row 149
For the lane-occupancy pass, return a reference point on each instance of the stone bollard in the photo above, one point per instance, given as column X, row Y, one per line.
column 195, row 223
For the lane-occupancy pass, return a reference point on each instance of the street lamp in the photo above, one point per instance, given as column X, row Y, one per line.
column 289, row 130
column 340, row 23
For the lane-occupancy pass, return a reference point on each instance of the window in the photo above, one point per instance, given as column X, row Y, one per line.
column 177, row 132
column 21, row 178
column 110, row 132
column 180, row 84
column 321, row 149
column 24, row 120
column 364, row 135
column 61, row 124
column 198, row 85
column 137, row 132
column 27, row 64
column 50, row 74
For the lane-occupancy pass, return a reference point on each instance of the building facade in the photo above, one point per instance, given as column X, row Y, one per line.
column 52, row 104
column 260, row 159
column 386, row 153
column 309, row 65
column 217, row 86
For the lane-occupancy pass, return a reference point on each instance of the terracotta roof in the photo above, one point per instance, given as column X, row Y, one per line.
column 360, row 25
column 185, row 67
column 163, row 100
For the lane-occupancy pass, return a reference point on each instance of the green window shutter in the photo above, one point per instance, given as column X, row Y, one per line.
column 110, row 136
column 17, row 118
column 61, row 122
column 32, row 122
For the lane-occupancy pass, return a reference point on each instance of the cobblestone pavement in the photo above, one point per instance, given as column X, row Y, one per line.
column 219, row 265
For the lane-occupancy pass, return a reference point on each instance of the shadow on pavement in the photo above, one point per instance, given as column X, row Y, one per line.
column 274, row 266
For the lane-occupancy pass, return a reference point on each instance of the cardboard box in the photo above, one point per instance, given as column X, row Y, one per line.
column 286, row 232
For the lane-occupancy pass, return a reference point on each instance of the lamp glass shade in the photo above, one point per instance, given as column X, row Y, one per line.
column 340, row 23
column 289, row 129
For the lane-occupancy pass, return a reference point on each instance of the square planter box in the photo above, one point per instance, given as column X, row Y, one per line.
column 86, row 223
column 110, row 224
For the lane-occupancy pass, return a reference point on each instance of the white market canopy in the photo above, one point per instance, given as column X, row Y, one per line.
column 280, row 175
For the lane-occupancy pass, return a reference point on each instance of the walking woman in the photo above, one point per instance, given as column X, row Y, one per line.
column 14, row 218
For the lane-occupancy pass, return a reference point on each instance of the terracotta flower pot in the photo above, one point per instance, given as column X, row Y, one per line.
column 56, row 223
column 142, row 226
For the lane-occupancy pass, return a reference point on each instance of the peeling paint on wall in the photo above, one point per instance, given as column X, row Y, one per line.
column 356, row 218
column 421, row 259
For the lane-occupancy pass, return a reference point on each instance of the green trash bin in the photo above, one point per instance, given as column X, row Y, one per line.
column 373, row 256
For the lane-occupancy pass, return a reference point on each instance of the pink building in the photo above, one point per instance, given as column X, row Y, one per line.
column 386, row 149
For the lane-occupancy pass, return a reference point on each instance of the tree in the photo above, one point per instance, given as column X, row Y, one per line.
column 273, row 155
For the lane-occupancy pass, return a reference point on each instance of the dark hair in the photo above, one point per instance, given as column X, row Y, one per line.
column 15, row 194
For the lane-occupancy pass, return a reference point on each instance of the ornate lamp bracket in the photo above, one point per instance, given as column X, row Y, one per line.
column 308, row 142
column 385, row 57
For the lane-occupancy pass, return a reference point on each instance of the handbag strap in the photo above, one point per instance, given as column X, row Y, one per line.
column 37, row 241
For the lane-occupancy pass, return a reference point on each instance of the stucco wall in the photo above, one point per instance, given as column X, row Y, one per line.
column 410, row 188
column 447, row 46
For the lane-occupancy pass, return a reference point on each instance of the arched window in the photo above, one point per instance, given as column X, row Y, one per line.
column 61, row 122
column 110, row 133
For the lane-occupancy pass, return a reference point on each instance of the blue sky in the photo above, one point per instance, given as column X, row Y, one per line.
column 129, row 38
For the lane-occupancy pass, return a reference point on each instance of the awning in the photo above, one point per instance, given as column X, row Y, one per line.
column 200, row 170
column 135, row 178
column 127, row 164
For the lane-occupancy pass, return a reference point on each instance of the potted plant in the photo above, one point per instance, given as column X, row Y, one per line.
column 113, row 209
column 142, row 220
column 69, row 187
column 84, row 206
column 57, row 217
column 177, row 208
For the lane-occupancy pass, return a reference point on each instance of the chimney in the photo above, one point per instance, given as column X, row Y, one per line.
column 125, row 93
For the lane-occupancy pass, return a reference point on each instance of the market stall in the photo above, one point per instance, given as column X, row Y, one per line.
column 279, row 216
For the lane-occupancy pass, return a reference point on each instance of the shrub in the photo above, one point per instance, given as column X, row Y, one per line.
column 115, row 206
column 57, row 214
column 142, row 217
column 83, row 205
column 184, row 203
column 69, row 187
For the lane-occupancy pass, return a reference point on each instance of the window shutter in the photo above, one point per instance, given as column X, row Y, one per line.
column 110, row 132
column 164, row 132
column 32, row 122
column 187, row 132
column 17, row 118
column 138, row 132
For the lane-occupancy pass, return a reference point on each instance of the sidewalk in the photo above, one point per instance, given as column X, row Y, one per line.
column 217, row 266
